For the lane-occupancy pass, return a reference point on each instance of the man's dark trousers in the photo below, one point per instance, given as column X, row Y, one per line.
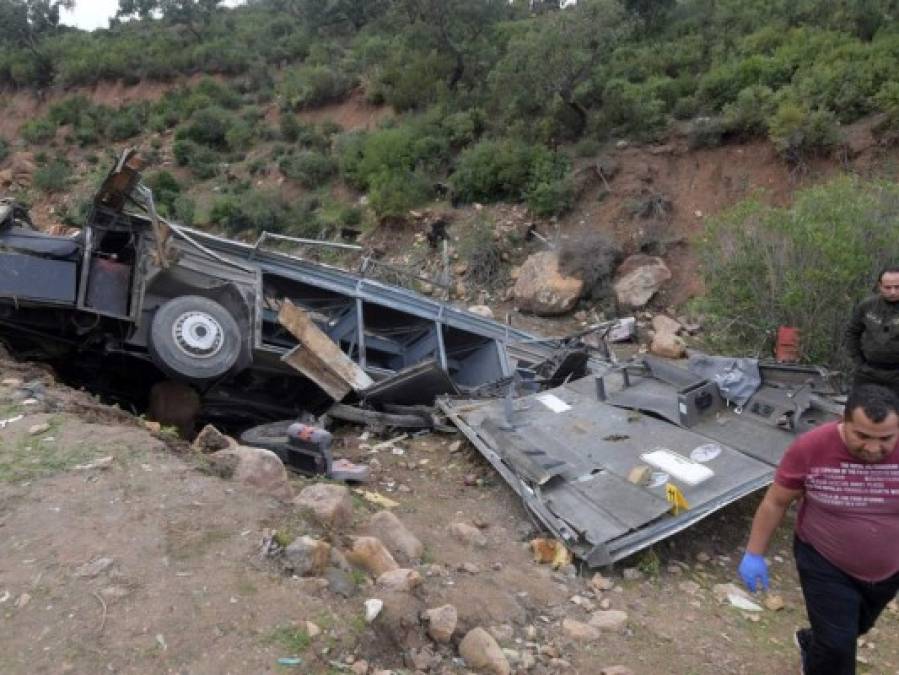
column 840, row 608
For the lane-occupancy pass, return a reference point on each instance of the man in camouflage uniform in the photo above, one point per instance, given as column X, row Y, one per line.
column 873, row 334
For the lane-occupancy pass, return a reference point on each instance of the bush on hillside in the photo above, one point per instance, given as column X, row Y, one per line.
column 253, row 212
column 798, row 132
column 393, row 193
column 802, row 266
column 38, row 131
column 53, row 176
column 306, row 86
column 506, row 169
column 311, row 169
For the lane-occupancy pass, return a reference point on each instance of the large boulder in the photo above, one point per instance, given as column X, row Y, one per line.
column 639, row 278
column 332, row 505
column 542, row 289
column 260, row 468
column 481, row 652
column 389, row 529
column 668, row 345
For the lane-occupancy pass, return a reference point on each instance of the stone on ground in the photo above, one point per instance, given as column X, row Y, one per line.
column 402, row 580
column 609, row 620
column 395, row 535
column 332, row 505
column 579, row 631
column 371, row 555
column 639, row 278
column 260, row 468
column 468, row 534
column 542, row 289
column 307, row 557
column 481, row 651
column 441, row 623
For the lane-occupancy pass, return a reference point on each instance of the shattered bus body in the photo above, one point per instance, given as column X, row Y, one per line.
column 609, row 457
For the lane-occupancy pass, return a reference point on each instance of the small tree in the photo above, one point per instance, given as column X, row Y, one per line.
column 804, row 266
column 24, row 23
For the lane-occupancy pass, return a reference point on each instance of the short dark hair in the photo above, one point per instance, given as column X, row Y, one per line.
column 875, row 401
column 888, row 269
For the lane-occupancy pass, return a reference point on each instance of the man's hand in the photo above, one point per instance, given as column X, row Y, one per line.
column 754, row 570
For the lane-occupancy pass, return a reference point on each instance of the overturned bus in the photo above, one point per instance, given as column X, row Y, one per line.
column 610, row 457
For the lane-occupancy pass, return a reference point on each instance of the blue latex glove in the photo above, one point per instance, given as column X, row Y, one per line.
column 754, row 572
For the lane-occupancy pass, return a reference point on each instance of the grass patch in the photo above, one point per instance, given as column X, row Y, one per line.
column 291, row 638
column 30, row 457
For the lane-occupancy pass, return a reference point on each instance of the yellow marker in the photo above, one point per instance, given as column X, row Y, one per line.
column 676, row 499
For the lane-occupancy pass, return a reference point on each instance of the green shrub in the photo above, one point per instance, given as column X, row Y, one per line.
column 748, row 115
column 798, row 132
column 38, row 131
column 252, row 212
column 310, row 168
column 166, row 190
column 184, row 210
column 507, row 169
column 393, row 193
column 804, row 266
column 481, row 253
column 290, row 127
column 202, row 161
column 207, row 126
column 705, row 132
column 53, row 176
column 633, row 109
column 123, row 125
column 304, row 86
column 587, row 147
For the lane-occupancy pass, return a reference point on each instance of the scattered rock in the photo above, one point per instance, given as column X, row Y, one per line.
column 542, row 289
column 610, row 620
column 703, row 557
column 399, row 624
column 332, row 505
column 639, row 278
column 394, row 534
column 668, row 346
column 580, row 632
column 359, row 667
column 468, row 534
column 775, row 603
column 402, row 580
column 307, row 557
column 257, row 467
column 616, row 670
column 665, row 324
column 632, row 574
column 37, row 429
column 94, row 568
column 423, row 660
column 312, row 629
column 340, row 583
column 23, row 600
column 601, row 583
column 373, row 608
column 441, row 623
column 100, row 463
column 481, row 310
column 211, row 440
column 480, row 651
column 689, row 587
column 502, row 633
column 455, row 447
column 370, row 554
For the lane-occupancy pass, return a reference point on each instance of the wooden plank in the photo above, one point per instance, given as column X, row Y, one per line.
column 318, row 357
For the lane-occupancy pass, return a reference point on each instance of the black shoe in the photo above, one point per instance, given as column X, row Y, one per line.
column 802, row 638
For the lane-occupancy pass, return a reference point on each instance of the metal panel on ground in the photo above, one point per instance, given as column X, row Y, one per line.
column 570, row 454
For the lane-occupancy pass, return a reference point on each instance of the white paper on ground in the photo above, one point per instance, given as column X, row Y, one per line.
column 554, row 403
column 681, row 468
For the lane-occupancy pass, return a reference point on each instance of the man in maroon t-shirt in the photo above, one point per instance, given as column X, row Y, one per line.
column 846, row 546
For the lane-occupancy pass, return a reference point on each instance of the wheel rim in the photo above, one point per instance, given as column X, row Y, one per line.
column 198, row 334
